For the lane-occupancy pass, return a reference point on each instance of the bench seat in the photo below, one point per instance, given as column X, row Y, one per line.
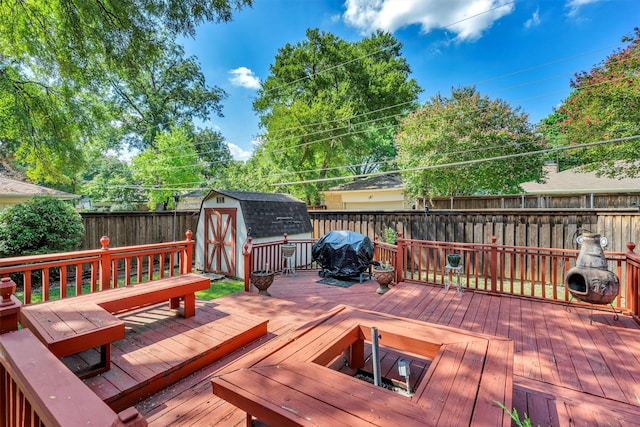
column 72, row 325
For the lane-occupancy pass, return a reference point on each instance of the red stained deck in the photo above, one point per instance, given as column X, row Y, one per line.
column 566, row 371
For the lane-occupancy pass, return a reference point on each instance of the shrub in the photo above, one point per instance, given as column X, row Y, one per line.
column 41, row 225
column 390, row 236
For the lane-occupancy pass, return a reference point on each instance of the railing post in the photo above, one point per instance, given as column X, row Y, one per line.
column 632, row 284
column 376, row 248
column 9, row 306
column 187, row 259
column 400, row 258
column 105, row 264
column 130, row 417
column 285, row 238
column 247, row 253
column 494, row 266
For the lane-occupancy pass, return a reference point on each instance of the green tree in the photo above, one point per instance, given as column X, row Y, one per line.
column 169, row 91
column 59, row 57
column 467, row 128
column 603, row 105
column 41, row 225
column 168, row 167
column 323, row 101
column 110, row 180
column 215, row 154
column 550, row 129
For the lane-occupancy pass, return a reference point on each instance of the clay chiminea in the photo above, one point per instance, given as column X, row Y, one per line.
column 590, row 280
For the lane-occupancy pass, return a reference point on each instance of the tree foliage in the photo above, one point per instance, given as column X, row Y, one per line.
column 329, row 103
column 168, row 167
column 603, row 105
column 62, row 60
column 467, row 128
column 169, row 91
column 109, row 180
column 41, row 225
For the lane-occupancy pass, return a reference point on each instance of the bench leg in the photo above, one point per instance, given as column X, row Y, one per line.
column 189, row 305
column 103, row 366
column 189, row 308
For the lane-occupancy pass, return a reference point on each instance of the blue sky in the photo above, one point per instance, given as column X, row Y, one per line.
column 524, row 52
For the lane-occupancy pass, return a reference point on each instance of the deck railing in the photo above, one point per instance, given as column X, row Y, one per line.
column 37, row 389
column 54, row 276
column 531, row 272
column 268, row 256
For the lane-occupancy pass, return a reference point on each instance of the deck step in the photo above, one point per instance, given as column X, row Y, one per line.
column 160, row 349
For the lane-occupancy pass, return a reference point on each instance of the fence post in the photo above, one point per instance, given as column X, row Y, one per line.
column 400, row 258
column 494, row 266
column 9, row 306
column 187, row 259
column 105, row 264
column 632, row 284
column 247, row 253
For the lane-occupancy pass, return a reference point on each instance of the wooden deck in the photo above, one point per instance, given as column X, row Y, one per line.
column 567, row 371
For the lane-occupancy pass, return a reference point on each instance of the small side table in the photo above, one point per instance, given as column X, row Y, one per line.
column 454, row 270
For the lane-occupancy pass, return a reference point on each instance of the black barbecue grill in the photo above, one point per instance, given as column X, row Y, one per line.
column 343, row 253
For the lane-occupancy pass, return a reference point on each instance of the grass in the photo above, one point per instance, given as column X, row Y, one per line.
column 220, row 288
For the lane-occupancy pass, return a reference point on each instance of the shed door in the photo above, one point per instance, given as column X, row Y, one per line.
column 220, row 241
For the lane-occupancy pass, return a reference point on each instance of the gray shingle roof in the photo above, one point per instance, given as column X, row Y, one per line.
column 574, row 181
column 380, row 182
column 12, row 188
column 270, row 214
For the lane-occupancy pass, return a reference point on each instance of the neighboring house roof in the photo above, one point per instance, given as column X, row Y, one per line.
column 574, row 181
column 380, row 182
column 10, row 188
column 269, row 214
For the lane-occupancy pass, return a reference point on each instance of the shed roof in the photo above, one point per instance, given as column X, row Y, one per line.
column 12, row 188
column 270, row 214
column 380, row 182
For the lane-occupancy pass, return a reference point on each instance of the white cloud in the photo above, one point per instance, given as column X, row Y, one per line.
column 244, row 77
column 238, row 153
column 465, row 18
column 575, row 5
column 534, row 21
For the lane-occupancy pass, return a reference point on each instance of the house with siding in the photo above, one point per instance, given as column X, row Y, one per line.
column 383, row 192
column 13, row 192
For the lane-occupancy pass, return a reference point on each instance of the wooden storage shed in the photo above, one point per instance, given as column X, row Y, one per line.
column 227, row 218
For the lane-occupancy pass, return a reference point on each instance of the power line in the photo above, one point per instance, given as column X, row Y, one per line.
column 464, row 163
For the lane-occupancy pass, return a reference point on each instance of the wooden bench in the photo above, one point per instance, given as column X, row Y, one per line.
column 37, row 389
column 286, row 382
column 72, row 325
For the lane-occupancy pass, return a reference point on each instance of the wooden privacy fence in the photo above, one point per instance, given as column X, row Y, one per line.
column 539, row 201
column 545, row 229
column 542, row 228
column 136, row 228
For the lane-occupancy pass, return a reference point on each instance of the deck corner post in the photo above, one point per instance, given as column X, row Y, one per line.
column 247, row 253
column 105, row 264
column 130, row 417
column 494, row 266
column 633, row 295
column 9, row 306
column 187, row 258
column 400, row 258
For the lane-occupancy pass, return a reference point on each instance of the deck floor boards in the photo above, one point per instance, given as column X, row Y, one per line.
column 566, row 371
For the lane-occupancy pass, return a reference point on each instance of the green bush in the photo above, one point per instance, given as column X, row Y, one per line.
column 41, row 225
column 390, row 236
